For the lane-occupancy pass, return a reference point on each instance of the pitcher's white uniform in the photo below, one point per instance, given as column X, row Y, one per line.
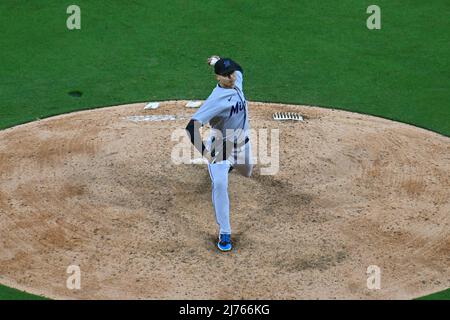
column 226, row 111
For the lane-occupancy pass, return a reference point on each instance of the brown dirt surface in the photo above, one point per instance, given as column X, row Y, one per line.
column 96, row 190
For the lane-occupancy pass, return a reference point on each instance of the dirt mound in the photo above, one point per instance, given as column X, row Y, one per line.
column 97, row 190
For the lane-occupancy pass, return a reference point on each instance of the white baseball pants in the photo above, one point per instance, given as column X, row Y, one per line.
column 241, row 160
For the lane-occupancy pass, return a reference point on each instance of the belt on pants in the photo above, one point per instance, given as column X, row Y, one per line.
column 224, row 146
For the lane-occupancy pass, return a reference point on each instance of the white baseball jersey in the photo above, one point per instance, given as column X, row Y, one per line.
column 225, row 109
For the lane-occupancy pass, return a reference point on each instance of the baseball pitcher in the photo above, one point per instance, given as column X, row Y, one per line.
column 228, row 146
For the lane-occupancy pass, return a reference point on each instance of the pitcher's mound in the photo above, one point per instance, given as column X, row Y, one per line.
column 98, row 189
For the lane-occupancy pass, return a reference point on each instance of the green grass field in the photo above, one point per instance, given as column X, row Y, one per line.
column 296, row 51
column 13, row 294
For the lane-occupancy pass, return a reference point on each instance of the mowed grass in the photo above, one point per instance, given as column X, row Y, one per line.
column 13, row 294
column 442, row 295
column 296, row 51
column 318, row 53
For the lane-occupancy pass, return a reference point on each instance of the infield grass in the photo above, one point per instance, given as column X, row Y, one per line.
column 442, row 295
column 14, row 294
column 297, row 51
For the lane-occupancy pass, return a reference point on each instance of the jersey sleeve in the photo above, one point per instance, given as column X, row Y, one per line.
column 212, row 107
column 239, row 79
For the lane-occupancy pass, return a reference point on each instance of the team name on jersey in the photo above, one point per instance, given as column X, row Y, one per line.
column 239, row 106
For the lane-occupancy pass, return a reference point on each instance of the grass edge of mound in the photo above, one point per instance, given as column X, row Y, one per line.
column 7, row 293
column 4, row 126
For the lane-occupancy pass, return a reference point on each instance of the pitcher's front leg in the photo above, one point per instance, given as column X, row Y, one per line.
column 219, row 178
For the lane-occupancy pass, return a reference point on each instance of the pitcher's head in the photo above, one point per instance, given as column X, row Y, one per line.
column 225, row 72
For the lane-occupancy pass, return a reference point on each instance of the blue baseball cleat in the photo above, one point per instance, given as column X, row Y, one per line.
column 224, row 243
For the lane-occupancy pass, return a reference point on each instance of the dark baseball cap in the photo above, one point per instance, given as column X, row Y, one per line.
column 225, row 67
